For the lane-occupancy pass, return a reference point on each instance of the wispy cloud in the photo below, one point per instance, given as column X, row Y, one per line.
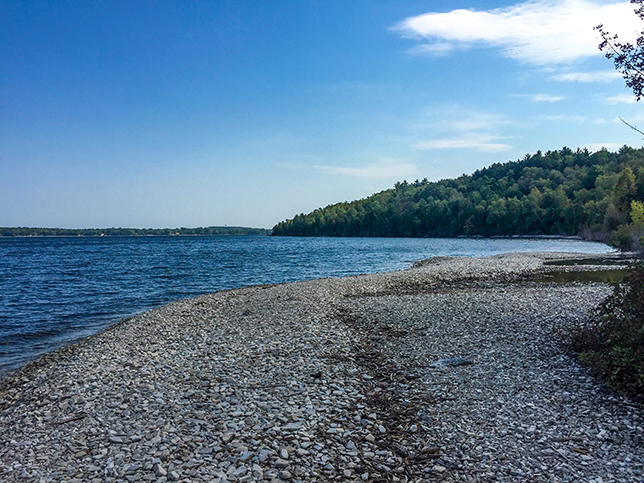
column 458, row 128
column 477, row 142
column 384, row 169
column 541, row 32
column 575, row 119
column 438, row 49
column 540, row 97
column 596, row 76
column 621, row 99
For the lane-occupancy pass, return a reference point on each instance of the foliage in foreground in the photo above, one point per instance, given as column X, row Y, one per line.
column 613, row 342
column 628, row 58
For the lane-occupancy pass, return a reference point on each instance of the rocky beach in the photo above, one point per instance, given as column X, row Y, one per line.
column 452, row 370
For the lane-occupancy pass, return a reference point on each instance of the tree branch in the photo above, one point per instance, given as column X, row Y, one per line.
column 631, row 126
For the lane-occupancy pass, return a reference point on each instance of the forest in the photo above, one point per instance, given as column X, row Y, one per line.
column 210, row 230
column 597, row 196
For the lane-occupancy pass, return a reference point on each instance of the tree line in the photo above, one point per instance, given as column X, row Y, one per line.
column 597, row 196
column 210, row 230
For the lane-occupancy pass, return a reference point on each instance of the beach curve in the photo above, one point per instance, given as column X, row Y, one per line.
column 449, row 371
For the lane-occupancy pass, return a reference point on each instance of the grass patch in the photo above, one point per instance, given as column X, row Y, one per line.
column 612, row 342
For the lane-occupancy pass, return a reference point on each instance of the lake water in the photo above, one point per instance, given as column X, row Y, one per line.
column 55, row 290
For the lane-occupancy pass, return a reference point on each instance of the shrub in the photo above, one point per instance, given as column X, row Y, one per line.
column 612, row 343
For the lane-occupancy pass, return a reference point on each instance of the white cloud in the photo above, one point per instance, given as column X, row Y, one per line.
column 575, row 119
column 454, row 118
column 438, row 49
column 540, row 97
column 546, row 98
column 477, row 142
column 621, row 99
column 596, row 76
column 453, row 127
column 540, row 32
column 385, row 169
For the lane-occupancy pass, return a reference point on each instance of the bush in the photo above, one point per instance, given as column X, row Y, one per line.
column 612, row 343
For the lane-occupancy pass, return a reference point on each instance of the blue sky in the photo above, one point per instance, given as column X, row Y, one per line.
column 168, row 114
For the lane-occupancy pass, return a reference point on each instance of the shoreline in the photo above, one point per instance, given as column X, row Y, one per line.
column 332, row 379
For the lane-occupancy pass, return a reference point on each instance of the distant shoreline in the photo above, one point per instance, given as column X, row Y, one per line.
column 27, row 232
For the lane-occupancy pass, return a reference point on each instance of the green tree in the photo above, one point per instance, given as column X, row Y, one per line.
column 637, row 213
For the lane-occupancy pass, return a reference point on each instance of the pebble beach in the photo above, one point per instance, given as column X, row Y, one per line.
column 452, row 370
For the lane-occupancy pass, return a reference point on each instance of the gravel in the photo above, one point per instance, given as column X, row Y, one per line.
column 452, row 370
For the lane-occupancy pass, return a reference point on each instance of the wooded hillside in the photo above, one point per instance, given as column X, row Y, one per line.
column 596, row 195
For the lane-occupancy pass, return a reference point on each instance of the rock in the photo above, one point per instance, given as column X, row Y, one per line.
column 430, row 449
column 283, row 453
column 281, row 463
column 159, row 470
column 454, row 362
column 173, row 476
column 258, row 471
column 285, row 475
column 227, row 437
column 246, row 456
column 263, row 455
column 439, row 469
column 293, row 425
column 241, row 471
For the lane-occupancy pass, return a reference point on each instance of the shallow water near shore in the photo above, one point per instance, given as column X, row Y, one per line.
column 55, row 290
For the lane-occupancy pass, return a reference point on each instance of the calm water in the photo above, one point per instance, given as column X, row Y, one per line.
column 55, row 290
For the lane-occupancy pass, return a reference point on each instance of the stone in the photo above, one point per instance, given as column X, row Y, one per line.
column 173, row 476
column 263, row 455
column 246, row 456
column 281, row 463
column 226, row 437
column 453, row 362
column 241, row 471
column 293, row 425
column 159, row 470
column 285, row 475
